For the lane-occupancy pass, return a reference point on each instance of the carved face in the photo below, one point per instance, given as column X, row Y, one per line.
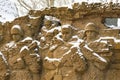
column 91, row 34
column 35, row 68
column 47, row 24
column 66, row 34
column 16, row 37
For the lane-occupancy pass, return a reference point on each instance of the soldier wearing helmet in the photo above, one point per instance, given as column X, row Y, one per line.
column 91, row 32
column 16, row 33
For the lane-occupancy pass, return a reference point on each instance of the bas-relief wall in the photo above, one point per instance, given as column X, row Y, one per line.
column 80, row 47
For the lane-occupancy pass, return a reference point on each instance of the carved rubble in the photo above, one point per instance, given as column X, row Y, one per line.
column 61, row 44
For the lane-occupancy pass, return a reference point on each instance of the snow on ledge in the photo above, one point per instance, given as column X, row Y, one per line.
column 23, row 48
column 11, row 44
column 19, row 59
column 86, row 46
column 102, row 59
column 17, row 27
column 3, row 57
column 37, row 55
column 31, row 17
column 27, row 38
column 105, row 38
column 52, row 59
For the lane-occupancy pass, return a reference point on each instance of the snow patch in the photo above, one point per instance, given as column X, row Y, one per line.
column 31, row 17
column 58, row 36
column 16, row 27
column 52, row 59
column 8, row 11
column 53, row 47
column 23, row 48
column 102, row 39
column 11, row 44
column 3, row 57
column 42, row 38
column 19, row 59
column 66, row 26
column 86, row 46
column 35, row 41
column 35, row 55
column 26, row 39
column 102, row 59
column 56, row 28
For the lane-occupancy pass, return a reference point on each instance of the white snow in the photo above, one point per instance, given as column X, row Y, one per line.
column 35, row 55
column 31, row 17
column 11, row 44
column 17, row 27
column 8, row 11
column 23, row 48
column 102, row 59
column 27, row 38
column 52, row 59
column 11, row 9
column 66, row 26
column 19, row 59
column 3, row 57
column 102, row 39
column 58, row 36
column 86, row 46
column 42, row 38
column 36, row 41
column 55, row 28
column 53, row 47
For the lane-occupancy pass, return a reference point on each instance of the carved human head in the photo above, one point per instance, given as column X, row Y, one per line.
column 66, row 32
column 91, row 31
column 16, row 33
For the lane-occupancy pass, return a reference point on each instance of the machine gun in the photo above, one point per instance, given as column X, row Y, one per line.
column 112, row 52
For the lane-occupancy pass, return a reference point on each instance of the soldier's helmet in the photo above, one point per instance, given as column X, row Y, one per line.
column 91, row 27
column 16, row 30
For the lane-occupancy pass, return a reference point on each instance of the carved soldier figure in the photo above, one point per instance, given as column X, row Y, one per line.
column 97, row 63
column 72, row 65
column 46, row 27
column 10, row 48
column 51, row 67
column 66, row 32
column 91, row 32
column 18, row 69
column 16, row 33
column 33, row 63
column 63, row 67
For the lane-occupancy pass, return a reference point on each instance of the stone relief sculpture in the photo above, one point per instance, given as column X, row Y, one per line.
column 91, row 56
column 72, row 48
column 16, row 63
column 4, row 70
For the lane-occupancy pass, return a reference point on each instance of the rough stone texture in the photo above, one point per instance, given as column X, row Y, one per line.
column 61, row 44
